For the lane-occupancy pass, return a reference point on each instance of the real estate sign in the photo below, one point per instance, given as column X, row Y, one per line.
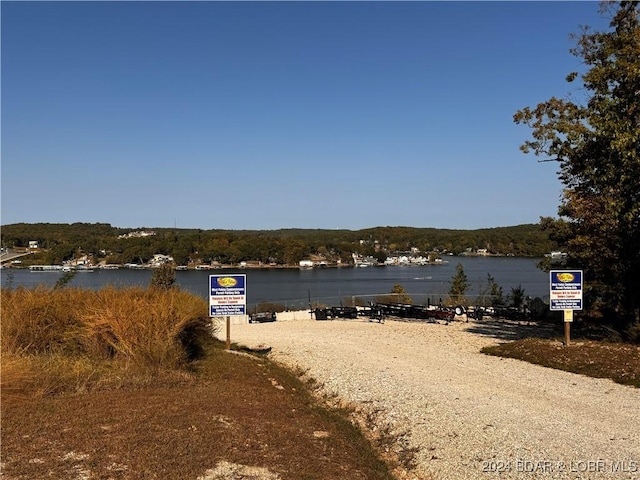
column 566, row 289
column 227, row 295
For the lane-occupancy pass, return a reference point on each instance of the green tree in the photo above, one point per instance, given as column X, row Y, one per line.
column 294, row 251
column 494, row 292
column 380, row 256
column 65, row 279
column 459, row 285
column 597, row 145
column 517, row 297
column 400, row 295
column 163, row 277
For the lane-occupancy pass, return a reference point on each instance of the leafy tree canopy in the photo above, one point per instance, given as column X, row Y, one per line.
column 597, row 145
column 64, row 241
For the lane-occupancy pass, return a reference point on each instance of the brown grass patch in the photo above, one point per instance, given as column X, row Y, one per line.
column 129, row 384
column 242, row 410
column 618, row 361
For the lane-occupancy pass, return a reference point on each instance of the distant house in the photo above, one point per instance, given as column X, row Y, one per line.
column 84, row 260
column 137, row 234
column 306, row 264
column 160, row 259
column 33, row 244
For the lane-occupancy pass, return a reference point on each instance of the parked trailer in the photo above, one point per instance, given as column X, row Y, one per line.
column 335, row 312
column 418, row 312
column 262, row 317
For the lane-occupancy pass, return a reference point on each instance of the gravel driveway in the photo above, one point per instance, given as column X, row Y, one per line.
column 472, row 416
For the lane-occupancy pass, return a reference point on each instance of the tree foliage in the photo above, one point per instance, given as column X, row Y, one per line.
column 494, row 291
column 289, row 246
column 163, row 277
column 597, row 145
column 400, row 294
column 459, row 285
column 65, row 279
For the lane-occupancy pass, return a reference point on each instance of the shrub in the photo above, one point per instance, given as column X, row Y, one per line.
column 163, row 277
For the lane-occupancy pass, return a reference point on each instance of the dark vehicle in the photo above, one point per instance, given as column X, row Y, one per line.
column 262, row 317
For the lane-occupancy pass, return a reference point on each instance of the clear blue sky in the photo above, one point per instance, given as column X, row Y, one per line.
column 268, row 115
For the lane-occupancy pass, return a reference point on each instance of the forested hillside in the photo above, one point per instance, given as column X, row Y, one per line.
column 60, row 242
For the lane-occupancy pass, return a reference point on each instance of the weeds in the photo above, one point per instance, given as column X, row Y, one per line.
column 72, row 339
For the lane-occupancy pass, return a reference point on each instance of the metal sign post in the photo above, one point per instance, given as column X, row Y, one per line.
column 566, row 295
column 227, row 296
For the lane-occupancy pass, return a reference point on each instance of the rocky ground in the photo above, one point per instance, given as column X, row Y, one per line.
column 469, row 415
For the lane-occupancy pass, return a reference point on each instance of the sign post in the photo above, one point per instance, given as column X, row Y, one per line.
column 227, row 296
column 566, row 295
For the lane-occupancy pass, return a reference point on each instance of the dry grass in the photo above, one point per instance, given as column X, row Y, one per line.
column 76, row 340
column 242, row 410
column 618, row 361
column 121, row 384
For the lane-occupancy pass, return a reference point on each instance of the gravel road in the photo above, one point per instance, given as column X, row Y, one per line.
column 472, row 416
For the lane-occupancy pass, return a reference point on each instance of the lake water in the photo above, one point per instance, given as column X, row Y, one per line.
column 294, row 288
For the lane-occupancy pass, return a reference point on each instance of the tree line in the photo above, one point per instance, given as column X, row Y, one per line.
column 62, row 242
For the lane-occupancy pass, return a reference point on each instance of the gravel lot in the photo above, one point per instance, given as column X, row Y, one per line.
column 473, row 416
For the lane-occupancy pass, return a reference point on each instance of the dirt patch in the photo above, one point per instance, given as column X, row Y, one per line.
column 244, row 416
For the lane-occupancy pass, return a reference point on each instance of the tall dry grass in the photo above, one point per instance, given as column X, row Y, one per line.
column 39, row 320
column 75, row 339
column 148, row 327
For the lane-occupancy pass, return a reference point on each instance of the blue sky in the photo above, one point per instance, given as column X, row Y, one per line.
column 268, row 115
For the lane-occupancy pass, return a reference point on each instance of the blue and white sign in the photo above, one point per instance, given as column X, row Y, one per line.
column 227, row 295
column 566, row 289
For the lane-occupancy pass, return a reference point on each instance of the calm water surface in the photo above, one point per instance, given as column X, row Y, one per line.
column 294, row 287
